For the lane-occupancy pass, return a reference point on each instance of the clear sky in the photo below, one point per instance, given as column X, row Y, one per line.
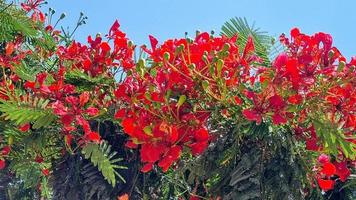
column 171, row 18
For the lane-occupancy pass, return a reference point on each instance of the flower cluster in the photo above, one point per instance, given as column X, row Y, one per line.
column 166, row 100
column 74, row 106
column 169, row 100
column 328, row 171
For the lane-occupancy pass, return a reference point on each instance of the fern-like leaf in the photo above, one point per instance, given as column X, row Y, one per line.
column 29, row 110
column 14, row 21
column 102, row 157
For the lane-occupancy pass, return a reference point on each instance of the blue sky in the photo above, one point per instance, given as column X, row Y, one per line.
column 171, row 18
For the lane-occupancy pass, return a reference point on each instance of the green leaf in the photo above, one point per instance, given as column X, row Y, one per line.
column 219, row 66
column 29, row 110
column 147, row 130
column 102, row 157
column 205, row 85
column 181, row 100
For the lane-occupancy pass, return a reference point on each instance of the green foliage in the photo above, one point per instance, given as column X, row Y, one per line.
column 85, row 82
column 102, row 157
column 14, row 22
column 333, row 138
column 23, row 161
column 28, row 110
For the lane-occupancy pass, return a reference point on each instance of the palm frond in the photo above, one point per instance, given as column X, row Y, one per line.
column 266, row 46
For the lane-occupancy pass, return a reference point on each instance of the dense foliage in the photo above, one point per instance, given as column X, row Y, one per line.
column 235, row 116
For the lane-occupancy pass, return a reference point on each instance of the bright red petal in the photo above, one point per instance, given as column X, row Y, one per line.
column 342, row 171
column 94, row 136
column 328, row 169
column 147, row 167
column 252, row 115
column 92, row 111
column 2, row 164
column 326, row 185
column 25, row 127
column 128, row 125
column 201, row 135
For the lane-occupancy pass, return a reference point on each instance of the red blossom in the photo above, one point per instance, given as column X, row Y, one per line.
column 6, row 150
column 128, row 126
column 39, row 159
column 252, row 115
column 120, row 113
column 92, row 111
column 278, row 119
column 45, row 172
column 295, row 99
column 2, row 164
column 25, row 127
column 198, row 147
column 84, row 98
column 329, row 169
column 342, row 171
column 147, row 167
column 93, row 136
column 201, row 135
column 326, row 185
column 323, row 158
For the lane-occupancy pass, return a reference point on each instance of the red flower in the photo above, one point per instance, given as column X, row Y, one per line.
column 154, row 42
column 67, row 119
column 238, row 101
column 193, row 197
column 45, row 172
column 84, row 98
column 128, row 126
column 311, row 144
column 9, row 48
column 278, row 119
column 201, row 135
column 328, row 169
column 323, row 159
column 39, row 159
column 6, row 150
column 326, row 185
column 249, row 48
column 29, row 85
column 342, row 171
column 92, row 111
column 198, row 147
column 25, row 127
column 295, row 32
column 94, row 136
column 295, row 99
column 252, row 115
column 105, row 47
column 151, row 153
column 172, row 155
column 280, row 61
column 147, row 167
column 2, row 164
column 174, row 134
column 120, row 113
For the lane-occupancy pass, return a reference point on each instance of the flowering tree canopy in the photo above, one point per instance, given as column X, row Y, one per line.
column 172, row 106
